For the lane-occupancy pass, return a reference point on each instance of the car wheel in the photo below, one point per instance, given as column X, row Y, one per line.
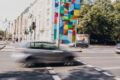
column 86, row 46
column 29, row 62
column 117, row 53
column 68, row 61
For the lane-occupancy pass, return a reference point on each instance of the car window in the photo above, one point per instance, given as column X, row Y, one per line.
column 49, row 46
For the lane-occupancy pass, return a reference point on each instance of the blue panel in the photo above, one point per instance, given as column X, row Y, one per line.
column 56, row 4
column 55, row 26
column 77, row 1
column 71, row 8
column 62, row 27
column 61, row 32
column 66, row 41
column 70, row 23
column 56, row 9
column 74, row 22
column 69, row 32
column 72, row 12
column 77, row 6
column 62, row 0
column 66, row 15
column 64, row 37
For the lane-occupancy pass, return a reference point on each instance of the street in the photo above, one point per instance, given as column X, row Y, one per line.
column 94, row 63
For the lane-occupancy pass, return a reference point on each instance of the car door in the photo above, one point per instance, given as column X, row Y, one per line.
column 36, row 51
column 52, row 53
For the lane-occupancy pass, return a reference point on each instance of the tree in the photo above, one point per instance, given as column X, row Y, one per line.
column 97, row 19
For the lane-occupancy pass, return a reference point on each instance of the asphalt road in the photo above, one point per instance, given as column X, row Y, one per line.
column 10, row 70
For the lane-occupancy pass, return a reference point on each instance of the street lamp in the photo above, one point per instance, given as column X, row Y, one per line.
column 58, row 25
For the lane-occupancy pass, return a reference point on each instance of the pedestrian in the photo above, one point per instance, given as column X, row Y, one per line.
column 16, row 39
column 20, row 39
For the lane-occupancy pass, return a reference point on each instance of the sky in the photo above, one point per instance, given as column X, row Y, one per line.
column 11, row 9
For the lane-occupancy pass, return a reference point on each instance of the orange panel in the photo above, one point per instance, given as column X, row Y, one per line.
column 74, row 17
column 55, row 20
column 66, row 12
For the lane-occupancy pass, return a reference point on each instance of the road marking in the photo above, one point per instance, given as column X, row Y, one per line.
column 89, row 65
column 112, row 68
column 97, row 69
column 48, row 67
column 56, row 77
column 52, row 72
column 117, row 78
column 107, row 74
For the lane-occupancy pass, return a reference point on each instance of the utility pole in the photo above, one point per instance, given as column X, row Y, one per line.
column 58, row 24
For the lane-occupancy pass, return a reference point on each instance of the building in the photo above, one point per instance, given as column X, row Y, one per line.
column 43, row 14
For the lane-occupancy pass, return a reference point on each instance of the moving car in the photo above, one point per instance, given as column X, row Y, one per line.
column 33, row 52
column 78, row 44
column 117, row 48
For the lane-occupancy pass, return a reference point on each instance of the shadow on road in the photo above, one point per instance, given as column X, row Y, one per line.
column 84, row 73
column 57, row 65
column 26, row 75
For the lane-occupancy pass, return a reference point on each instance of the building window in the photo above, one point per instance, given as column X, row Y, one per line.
column 47, row 22
column 48, row 11
column 48, row 2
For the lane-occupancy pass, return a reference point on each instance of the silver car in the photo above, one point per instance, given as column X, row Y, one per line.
column 117, row 48
column 33, row 52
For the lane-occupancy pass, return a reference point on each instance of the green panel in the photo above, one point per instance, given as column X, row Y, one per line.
column 61, row 36
column 55, row 34
column 70, row 26
column 66, row 19
column 62, row 11
column 71, row 16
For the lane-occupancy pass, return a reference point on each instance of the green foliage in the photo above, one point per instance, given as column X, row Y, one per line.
column 101, row 18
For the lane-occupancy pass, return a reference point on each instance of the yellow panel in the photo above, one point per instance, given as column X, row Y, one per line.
column 62, row 3
column 73, row 38
column 66, row 27
column 76, row 12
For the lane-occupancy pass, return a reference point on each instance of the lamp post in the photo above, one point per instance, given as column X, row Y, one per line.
column 58, row 25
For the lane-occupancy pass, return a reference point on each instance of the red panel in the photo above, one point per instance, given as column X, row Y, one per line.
column 63, row 41
column 55, row 20
column 73, row 34
column 65, row 22
column 73, row 1
column 56, row 14
column 66, row 12
column 66, row 5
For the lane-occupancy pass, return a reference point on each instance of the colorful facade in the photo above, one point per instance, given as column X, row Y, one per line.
column 68, row 14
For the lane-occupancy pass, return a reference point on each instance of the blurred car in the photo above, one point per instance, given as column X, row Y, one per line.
column 33, row 52
column 117, row 48
column 78, row 44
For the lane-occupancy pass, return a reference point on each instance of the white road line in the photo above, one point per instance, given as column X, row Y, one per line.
column 117, row 78
column 78, row 60
column 51, row 71
column 89, row 65
column 48, row 67
column 97, row 69
column 107, row 74
column 56, row 77
column 111, row 68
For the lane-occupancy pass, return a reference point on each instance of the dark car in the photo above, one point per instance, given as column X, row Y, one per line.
column 33, row 52
column 78, row 44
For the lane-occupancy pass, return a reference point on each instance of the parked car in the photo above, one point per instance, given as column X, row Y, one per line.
column 83, row 45
column 29, row 53
column 117, row 48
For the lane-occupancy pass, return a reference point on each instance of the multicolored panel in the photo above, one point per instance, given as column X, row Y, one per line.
column 68, row 14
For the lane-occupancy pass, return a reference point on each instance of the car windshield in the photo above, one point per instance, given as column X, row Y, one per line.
column 118, row 45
